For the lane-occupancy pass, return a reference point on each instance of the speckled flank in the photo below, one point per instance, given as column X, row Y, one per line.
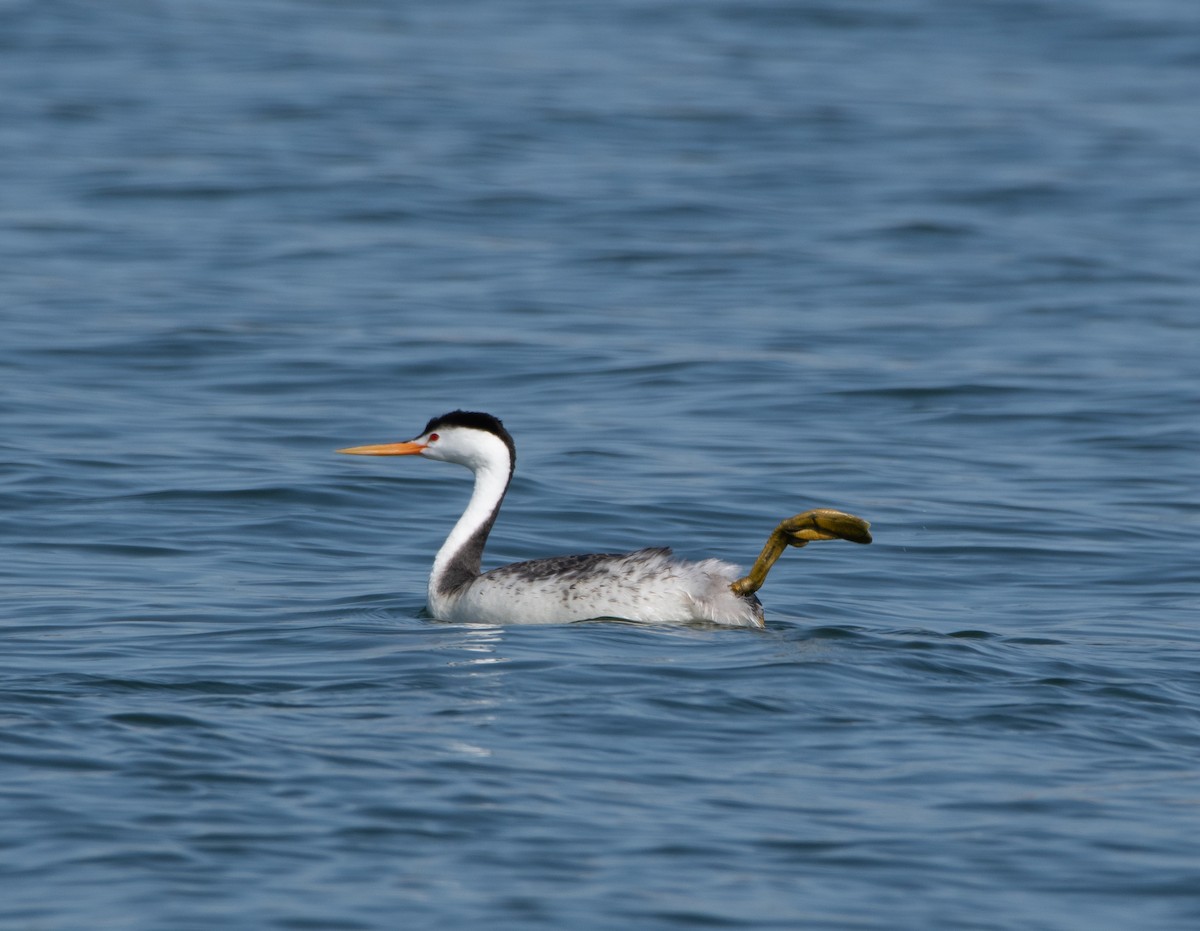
column 647, row 585
column 578, row 566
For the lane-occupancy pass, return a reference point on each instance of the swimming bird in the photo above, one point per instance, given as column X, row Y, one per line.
column 649, row 585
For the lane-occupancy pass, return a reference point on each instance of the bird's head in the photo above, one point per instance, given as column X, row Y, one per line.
column 470, row 438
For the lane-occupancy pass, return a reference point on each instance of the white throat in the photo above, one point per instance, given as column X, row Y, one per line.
column 458, row 561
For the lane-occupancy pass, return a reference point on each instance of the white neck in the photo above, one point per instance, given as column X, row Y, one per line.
column 458, row 561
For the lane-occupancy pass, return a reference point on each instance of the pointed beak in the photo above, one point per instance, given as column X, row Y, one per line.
column 386, row 449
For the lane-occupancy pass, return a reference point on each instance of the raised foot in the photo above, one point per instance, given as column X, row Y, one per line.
column 824, row 524
column 817, row 524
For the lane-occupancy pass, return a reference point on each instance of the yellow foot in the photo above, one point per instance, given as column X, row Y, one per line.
column 824, row 524
column 818, row 524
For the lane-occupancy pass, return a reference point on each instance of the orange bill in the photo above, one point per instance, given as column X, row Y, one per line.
column 385, row 449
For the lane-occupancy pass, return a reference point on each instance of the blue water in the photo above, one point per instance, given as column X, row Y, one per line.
column 713, row 263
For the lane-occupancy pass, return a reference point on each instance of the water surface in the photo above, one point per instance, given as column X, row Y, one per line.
column 712, row 264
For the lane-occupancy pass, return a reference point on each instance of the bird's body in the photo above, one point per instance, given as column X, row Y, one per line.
column 648, row 585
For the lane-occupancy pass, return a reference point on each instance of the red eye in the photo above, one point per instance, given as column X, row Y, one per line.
column 433, row 437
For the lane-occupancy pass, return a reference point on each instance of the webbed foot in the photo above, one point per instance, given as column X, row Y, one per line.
column 824, row 524
column 800, row 530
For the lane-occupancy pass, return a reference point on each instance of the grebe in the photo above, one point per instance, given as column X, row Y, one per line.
column 648, row 585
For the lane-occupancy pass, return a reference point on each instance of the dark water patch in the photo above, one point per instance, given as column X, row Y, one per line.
column 774, row 16
column 934, row 230
column 148, row 720
column 184, row 687
column 111, row 549
column 838, row 633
